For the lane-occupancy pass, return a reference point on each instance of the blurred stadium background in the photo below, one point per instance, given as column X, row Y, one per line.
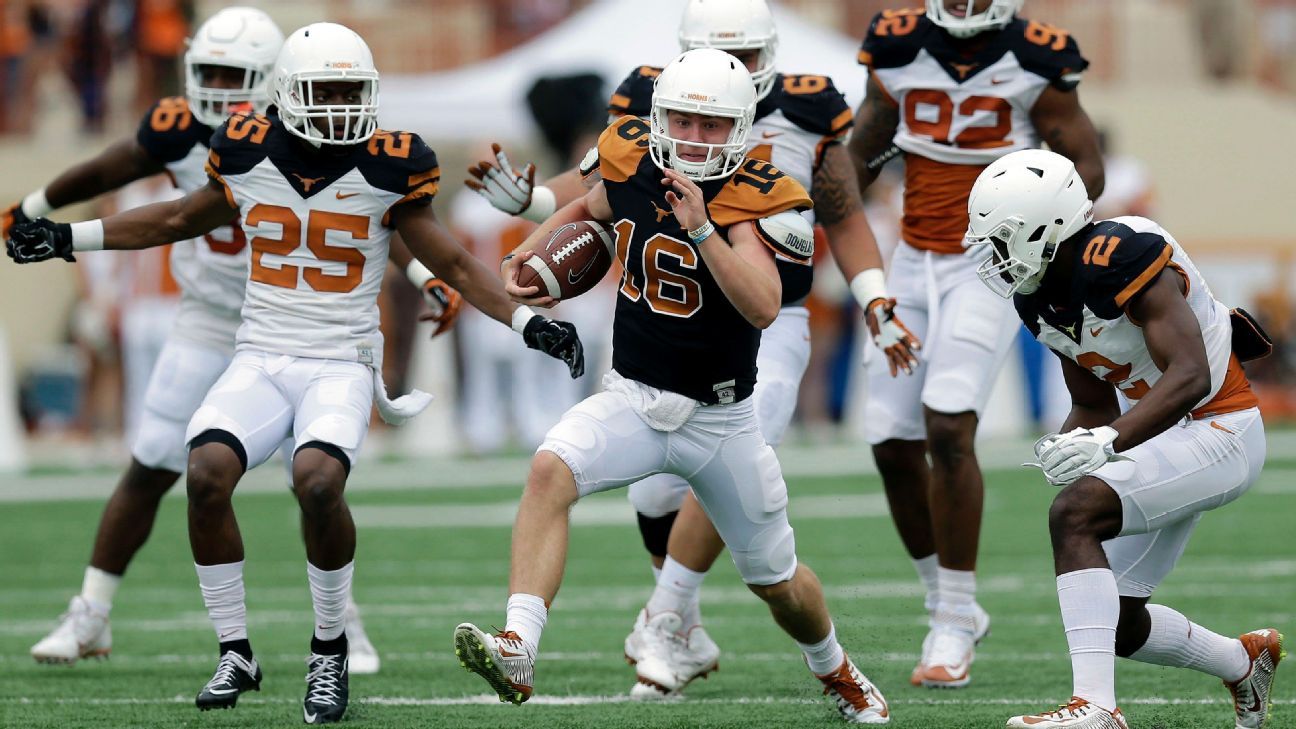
column 1195, row 98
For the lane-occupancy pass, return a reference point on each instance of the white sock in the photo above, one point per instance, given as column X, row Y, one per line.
column 1090, row 610
column 955, row 600
column 926, row 568
column 329, row 592
column 222, row 591
column 526, row 616
column 98, row 589
column 677, row 591
column 825, row 656
column 1176, row 641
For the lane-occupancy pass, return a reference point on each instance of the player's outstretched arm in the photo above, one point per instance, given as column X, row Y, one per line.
column 876, row 122
column 593, row 205
column 841, row 212
column 199, row 212
column 442, row 300
column 743, row 266
column 1063, row 123
column 1174, row 340
column 118, row 165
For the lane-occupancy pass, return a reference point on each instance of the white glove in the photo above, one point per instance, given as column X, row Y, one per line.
column 1068, row 456
column 505, row 188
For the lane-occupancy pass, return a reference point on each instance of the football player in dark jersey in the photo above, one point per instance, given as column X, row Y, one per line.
column 1124, row 308
column 954, row 87
column 698, row 226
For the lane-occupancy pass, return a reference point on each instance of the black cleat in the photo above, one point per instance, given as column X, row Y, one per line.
column 326, row 685
column 234, row 675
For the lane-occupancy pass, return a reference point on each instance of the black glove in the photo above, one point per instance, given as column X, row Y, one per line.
column 39, row 240
column 558, row 339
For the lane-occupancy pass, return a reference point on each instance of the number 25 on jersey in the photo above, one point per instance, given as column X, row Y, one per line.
column 318, row 224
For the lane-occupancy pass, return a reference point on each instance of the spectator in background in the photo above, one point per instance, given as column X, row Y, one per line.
column 15, row 43
column 87, row 61
column 159, row 31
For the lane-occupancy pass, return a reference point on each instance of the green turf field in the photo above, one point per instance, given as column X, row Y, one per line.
column 416, row 582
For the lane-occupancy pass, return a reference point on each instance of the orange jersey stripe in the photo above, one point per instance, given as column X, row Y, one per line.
column 1144, row 278
column 935, row 204
column 1234, row 395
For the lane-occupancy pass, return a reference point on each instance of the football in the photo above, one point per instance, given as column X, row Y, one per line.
column 573, row 261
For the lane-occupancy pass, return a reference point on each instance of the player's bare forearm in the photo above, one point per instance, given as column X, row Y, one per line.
column 745, row 271
column 199, row 212
column 1093, row 401
column 435, row 247
column 118, row 165
column 567, row 187
column 398, row 253
column 1068, row 130
column 838, row 208
column 875, row 127
column 1174, row 340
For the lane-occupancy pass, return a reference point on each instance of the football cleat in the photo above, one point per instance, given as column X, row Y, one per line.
column 362, row 657
column 82, row 632
column 234, row 675
column 858, row 700
column 948, row 649
column 1251, row 693
column 634, row 641
column 1078, row 714
column 327, row 688
column 672, row 657
column 506, row 663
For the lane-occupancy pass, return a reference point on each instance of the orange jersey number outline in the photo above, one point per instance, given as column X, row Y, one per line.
column 1100, row 249
column 656, row 279
column 982, row 136
column 1043, row 34
column 171, row 112
column 252, row 127
column 391, row 144
column 898, row 22
column 318, row 223
column 1116, row 374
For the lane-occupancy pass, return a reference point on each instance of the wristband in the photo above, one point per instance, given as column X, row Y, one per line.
column 88, row 236
column 543, row 204
column 868, row 286
column 697, row 235
column 521, row 316
column 36, row 205
column 418, row 274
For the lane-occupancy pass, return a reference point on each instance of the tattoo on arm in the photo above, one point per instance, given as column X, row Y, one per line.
column 834, row 188
column 875, row 128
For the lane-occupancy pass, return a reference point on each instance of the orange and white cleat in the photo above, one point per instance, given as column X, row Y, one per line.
column 949, row 649
column 1078, row 714
column 671, row 657
column 506, row 663
column 858, row 700
column 1251, row 693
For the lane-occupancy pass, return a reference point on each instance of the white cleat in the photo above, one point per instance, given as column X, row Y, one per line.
column 362, row 657
column 634, row 641
column 1251, row 693
column 672, row 657
column 82, row 632
column 949, row 649
column 506, row 663
column 1079, row 714
column 858, row 700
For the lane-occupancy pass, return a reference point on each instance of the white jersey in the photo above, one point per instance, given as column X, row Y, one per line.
column 317, row 223
column 959, row 113
column 799, row 118
column 1118, row 259
column 211, row 269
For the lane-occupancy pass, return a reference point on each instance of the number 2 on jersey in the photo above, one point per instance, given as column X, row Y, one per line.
column 318, row 224
column 981, row 136
column 666, row 292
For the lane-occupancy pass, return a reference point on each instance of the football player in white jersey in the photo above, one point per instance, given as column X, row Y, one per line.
column 954, row 87
column 318, row 189
column 1125, row 309
column 800, row 124
column 700, row 283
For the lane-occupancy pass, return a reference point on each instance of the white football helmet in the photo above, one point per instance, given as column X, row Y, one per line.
column 733, row 25
column 710, row 82
column 242, row 38
column 1023, row 206
column 325, row 53
column 999, row 14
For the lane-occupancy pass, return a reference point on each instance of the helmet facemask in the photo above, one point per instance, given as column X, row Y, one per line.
column 211, row 105
column 1014, row 266
column 723, row 159
column 998, row 15
column 343, row 123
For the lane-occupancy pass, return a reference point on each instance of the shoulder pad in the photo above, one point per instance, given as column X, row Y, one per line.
column 757, row 190
column 814, row 104
column 168, row 130
column 1117, row 263
column 400, row 162
column 621, row 147
column 788, row 234
column 1047, row 51
column 634, row 96
column 239, row 144
column 589, row 163
column 894, row 38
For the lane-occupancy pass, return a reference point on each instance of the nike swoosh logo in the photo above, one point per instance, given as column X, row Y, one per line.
column 226, row 634
column 342, row 196
column 997, row 81
column 574, row 276
column 770, row 135
column 222, row 692
column 310, row 718
column 1096, row 332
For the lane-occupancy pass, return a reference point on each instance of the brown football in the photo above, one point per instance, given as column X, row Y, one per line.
column 575, row 258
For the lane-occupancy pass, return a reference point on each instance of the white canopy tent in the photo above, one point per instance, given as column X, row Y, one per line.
column 610, row 38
